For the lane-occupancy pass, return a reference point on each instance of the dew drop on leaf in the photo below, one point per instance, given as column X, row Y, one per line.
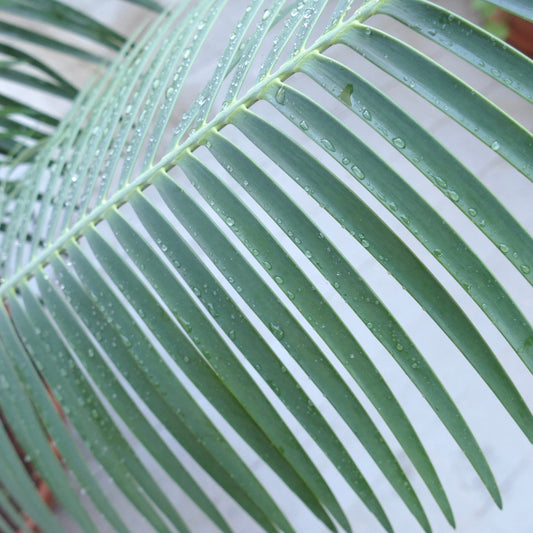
column 503, row 247
column 357, row 172
column 398, row 142
column 280, row 95
column 276, row 330
column 304, row 125
column 453, row 196
column 440, row 182
column 367, row 115
column 328, row 144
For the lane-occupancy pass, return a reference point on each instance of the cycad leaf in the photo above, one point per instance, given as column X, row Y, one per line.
column 162, row 263
column 20, row 32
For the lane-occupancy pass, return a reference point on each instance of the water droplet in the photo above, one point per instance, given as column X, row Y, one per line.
column 437, row 252
column 358, row 173
column 503, row 247
column 453, row 196
column 278, row 280
column 525, row 269
column 230, row 222
column 440, row 182
column 432, row 32
column 399, row 347
column 365, row 243
column 345, row 161
column 367, row 115
column 267, row 265
column 495, row 146
column 169, row 92
column 276, row 330
column 155, row 84
column 280, row 95
column 304, row 125
column 231, row 334
column 266, row 14
column 186, row 53
column 472, row 212
column 328, row 144
column 308, row 254
column 398, row 142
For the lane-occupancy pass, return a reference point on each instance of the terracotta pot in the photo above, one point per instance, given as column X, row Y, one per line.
column 520, row 34
column 517, row 31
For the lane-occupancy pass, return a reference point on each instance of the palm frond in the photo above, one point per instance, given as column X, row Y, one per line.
column 25, row 71
column 200, row 267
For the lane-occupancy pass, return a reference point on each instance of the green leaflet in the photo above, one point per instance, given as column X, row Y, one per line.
column 481, row 49
column 386, row 247
column 255, row 348
column 93, row 422
column 432, row 231
column 122, row 403
column 291, row 335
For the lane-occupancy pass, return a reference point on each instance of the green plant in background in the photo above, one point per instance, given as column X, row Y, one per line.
column 489, row 20
column 143, row 251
